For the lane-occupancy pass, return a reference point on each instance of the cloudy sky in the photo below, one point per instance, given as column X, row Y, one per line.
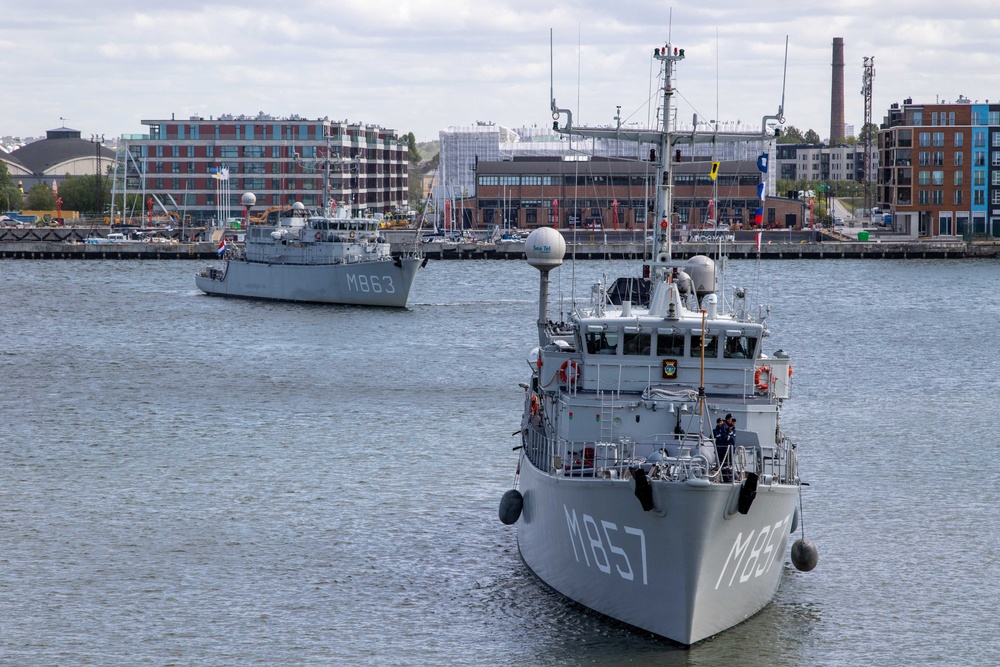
column 423, row 65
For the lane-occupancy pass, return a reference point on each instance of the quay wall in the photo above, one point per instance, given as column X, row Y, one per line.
column 56, row 250
column 65, row 243
column 824, row 250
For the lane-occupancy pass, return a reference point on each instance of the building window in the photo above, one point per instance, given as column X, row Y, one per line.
column 979, row 178
column 229, row 151
column 938, row 139
column 937, row 178
column 158, row 183
column 157, row 167
column 959, row 159
column 937, row 197
column 951, row 117
column 995, row 178
column 923, row 178
column 958, row 196
column 959, row 178
column 175, row 151
column 924, row 159
column 159, row 151
column 959, row 139
column 510, row 180
column 934, row 117
column 175, row 183
column 938, row 158
column 190, row 166
column 175, row 167
column 995, row 197
column 925, row 139
column 978, row 158
column 994, row 118
column 531, row 180
column 923, row 197
column 209, row 151
column 489, row 180
column 979, row 139
column 979, row 197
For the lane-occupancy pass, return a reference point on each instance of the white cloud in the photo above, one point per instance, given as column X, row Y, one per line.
column 422, row 65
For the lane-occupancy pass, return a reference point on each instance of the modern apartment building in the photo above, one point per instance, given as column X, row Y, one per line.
column 940, row 168
column 811, row 162
column 183, row 165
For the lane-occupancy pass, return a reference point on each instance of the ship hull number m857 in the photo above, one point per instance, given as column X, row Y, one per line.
column 607, row 546
column 360, row 282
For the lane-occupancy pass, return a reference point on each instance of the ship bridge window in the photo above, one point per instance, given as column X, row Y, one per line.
column 602, row 342
column 637, row 343
column 739, row 346
column 669, row 344
column 711, row 345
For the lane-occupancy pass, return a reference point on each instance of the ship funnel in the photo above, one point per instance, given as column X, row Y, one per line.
column 545, row 249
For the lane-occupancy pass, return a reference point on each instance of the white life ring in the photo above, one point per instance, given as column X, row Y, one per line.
column 768, row 378
column 569, row 372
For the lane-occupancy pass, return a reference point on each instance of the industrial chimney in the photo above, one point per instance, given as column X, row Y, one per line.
column 837, row 93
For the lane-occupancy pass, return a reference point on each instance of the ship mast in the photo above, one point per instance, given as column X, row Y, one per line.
column 662, row 249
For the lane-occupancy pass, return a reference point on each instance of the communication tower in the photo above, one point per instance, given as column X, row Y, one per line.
column 866, row 90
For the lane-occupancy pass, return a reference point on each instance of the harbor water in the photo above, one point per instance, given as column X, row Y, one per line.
column 189, row 480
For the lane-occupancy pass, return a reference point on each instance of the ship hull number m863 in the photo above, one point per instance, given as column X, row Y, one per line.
column 360, row 282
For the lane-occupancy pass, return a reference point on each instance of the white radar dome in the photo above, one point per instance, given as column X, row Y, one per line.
column 545, row 248
column 298, row 206
column 702, row 272
column 249, row 199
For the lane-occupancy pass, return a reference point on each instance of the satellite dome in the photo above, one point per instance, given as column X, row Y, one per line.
column 545, row 248
column 249, row 199
column 298, row 206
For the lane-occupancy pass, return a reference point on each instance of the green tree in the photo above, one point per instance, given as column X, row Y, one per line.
column 80, row 193
column 41, row 198
column 871, row 129
column 811, row 137
column 791, row 135
column 11, row 198
column 413, row 154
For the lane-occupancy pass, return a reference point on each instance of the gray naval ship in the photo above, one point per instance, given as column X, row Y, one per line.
column 631, row 498
column 306, row 257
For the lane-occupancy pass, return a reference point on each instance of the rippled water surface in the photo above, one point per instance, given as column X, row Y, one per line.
column 191, row 480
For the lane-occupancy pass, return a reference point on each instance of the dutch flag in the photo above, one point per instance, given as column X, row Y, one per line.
column 222, row 247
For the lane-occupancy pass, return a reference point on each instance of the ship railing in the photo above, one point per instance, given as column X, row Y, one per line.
column 558, row 456
column 667, row 457
column 773, row 463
